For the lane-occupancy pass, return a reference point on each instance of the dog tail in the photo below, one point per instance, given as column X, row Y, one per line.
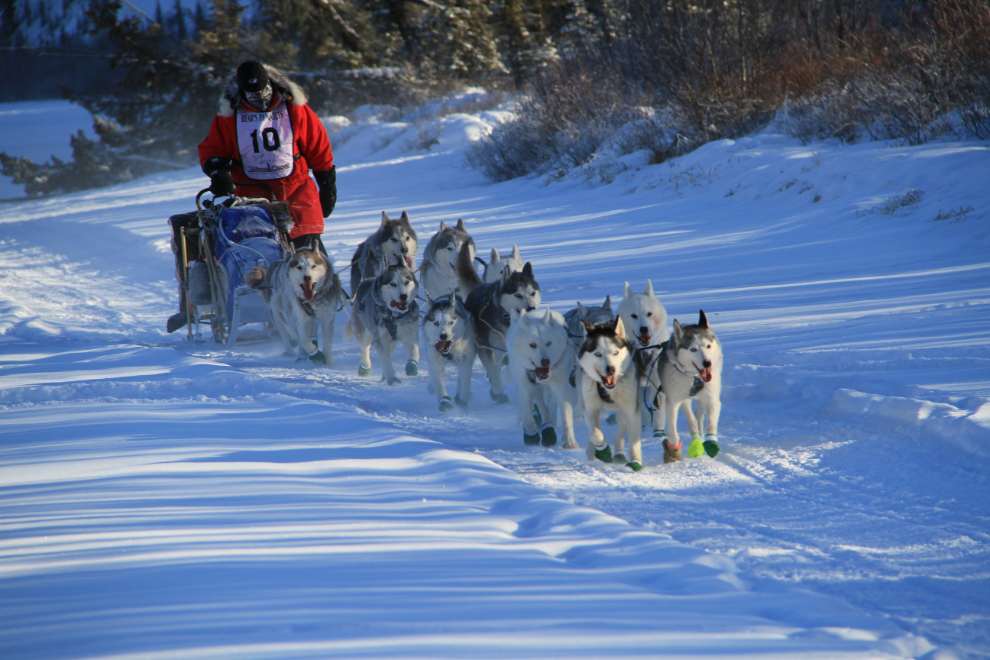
column 465, row 269
column 255, row 277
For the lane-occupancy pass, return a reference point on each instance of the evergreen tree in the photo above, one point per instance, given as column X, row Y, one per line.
column 180, row 21
column 463, row 43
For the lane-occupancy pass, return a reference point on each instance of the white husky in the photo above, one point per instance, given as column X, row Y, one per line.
column 646, row 320
column 449, row 339
column 498, row 264
column 609, row 382
column 438, row 274
column 301, row 291
column 540, row 359
column 690, row 367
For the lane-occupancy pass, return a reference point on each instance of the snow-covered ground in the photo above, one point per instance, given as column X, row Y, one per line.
column 163, row 498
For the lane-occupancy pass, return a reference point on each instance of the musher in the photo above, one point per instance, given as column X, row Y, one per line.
column 264, row 131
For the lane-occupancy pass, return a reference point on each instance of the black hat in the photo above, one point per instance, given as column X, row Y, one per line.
column 252, row 77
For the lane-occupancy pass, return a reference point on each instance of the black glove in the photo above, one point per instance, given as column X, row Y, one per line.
column 221, row 182
column 327, row 181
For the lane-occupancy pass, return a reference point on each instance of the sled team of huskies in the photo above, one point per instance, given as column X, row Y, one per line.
column 591, row 358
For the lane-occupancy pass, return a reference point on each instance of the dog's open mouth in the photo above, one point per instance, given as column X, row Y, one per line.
column 308, row 289
column 645, row 339
column 542, row 372
column 410, row 262
column 706, row 374
column 609, row 381
column 443, row 346
column 398, row 305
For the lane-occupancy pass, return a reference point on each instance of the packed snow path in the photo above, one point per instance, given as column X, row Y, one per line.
column 163, row 498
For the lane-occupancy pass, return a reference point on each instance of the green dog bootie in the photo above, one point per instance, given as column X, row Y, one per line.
column 711, row 445
column 531, row 439
column 394, row 380
column 363, row 370
column 635, row 466
column 549, row 436
column 660, row 434
column 695, row 449
column 604, row 454
column 318, row 358
column 412, row 368
column 445, row 404
column 499, row 398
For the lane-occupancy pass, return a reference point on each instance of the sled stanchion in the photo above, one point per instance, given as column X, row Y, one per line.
column 185, row 281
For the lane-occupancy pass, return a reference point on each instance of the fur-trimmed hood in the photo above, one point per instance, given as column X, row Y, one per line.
column 290, row 91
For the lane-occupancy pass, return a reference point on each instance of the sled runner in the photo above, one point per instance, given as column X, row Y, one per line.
column 220, row 243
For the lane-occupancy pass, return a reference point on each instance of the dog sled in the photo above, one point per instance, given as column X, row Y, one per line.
column 218, row 244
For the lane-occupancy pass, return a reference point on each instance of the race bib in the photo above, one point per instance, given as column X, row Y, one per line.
column 265, row 142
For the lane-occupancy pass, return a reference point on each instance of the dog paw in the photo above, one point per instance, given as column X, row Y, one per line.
column 671, row 455
column 619, row 458
column 696, row 448
column 412, row 369
column 531, row 438
column 611, row 419
column 363, row 370
column 711, row 446
column 635, row 466
column 394, row 380
column 499, row 398
column 459, row 401
column 318, row 358
column 570, row 444
column 445, row 404
column 660, row 434
column 549, row 436
column 604, row 454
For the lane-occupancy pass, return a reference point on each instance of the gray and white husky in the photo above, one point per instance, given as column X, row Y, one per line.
column 498, row 264
column 577, row 317
column 490, row 305
column 438, row 274
column 690, row 367
column 392, row 241
column 449, row 339
column 610, row 382
column 386, row 313
column 646, row 320
column 301, row 291
column 541, row 360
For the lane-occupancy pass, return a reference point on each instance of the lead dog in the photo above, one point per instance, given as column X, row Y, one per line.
column 690, row 367
column 610, row 382
column 438, row 273
column 392, row 241
column 646, row 319
column 541, row 360
column 386, row 313
column 490, row 305
column 449, row 340
column 300, row 291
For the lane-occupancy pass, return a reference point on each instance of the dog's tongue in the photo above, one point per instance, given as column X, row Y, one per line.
column 442, row 346
column 609, row 381
column 308, row 289
column 706, row 374
column 542, row 372
column 410, row 262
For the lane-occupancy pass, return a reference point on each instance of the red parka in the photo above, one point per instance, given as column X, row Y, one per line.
column 311, row 150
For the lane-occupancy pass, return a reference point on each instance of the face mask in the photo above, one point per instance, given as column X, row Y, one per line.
column 260, row 100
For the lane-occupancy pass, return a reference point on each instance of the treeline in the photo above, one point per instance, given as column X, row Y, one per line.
column 662, row 75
